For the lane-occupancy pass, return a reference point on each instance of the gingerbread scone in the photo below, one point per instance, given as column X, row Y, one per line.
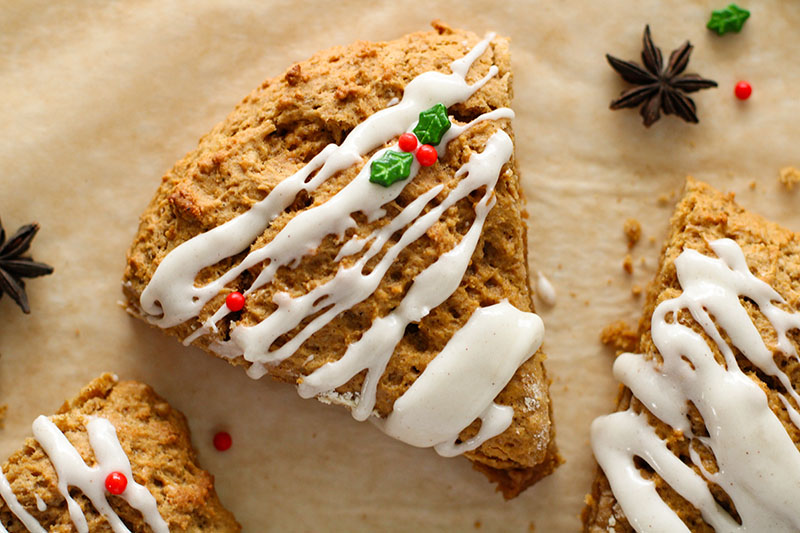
column 707, row 431
column 355, row 227
column 115, row 458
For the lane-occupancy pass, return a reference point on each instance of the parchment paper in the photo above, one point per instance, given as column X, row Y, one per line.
column 98, row 99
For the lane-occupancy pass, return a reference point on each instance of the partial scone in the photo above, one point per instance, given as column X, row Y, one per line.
column 707, row 430
column 353, row 283
column 123, row 457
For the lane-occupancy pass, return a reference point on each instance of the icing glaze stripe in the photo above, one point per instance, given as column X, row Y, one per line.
column 758, row 463
column 350, row 285
column 430, row 288
column 461, row 382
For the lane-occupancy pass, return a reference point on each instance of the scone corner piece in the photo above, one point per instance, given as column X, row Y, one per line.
column 133, row 425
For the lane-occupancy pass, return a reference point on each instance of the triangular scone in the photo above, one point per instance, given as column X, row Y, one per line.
column 111, row 428
column 277, row 203
column 707, row 430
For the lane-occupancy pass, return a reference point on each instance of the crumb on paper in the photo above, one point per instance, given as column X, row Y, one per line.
column 477, row 524
column 663, row 200
column 752, row 184
column 636, row 291
column 633, row 231
column 531, row 527
column 610, row 282
column 627, row 264
column 652, row 240
column 573, row 294
column 789, row 177
column 643, row 261
column 3, row 413
column 620, row 336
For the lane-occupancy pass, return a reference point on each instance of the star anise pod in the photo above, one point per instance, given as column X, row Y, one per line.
column 658, row 88
column 14, row 267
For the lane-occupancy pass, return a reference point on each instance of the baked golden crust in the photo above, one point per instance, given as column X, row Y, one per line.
column 155, row 438
column 273, row 133
column 773, row 255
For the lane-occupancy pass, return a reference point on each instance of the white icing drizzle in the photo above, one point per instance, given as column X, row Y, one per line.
column 759, row 464
column 545, row 290
column 171, row 297
column 350, row 285
column 431, row 287
column 461, row 382
column 40, row 505
column 72, row 471
column 16, row 508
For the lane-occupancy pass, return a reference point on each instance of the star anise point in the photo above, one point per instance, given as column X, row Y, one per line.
column 14, row 266
column 659, row 88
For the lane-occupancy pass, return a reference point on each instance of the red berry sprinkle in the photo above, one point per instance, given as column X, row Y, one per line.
column 407, row 142
column 235, row 301
column 426, row 155
column 743, row 90
column 223, row 441
column 116, row 483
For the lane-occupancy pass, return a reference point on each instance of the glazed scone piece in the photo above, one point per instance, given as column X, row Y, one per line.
column 707, row 430
column 352, row 288
column 115, row 458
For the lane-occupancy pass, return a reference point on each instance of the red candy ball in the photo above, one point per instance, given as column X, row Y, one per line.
column 223, row 441
column 407, row 142
column 235, row 301
column 116, row 483
column 743, row 90
column 426, row 155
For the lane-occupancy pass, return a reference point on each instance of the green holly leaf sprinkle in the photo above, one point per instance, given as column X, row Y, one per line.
column 731, row 18
column 390, row 168
column 432, row 125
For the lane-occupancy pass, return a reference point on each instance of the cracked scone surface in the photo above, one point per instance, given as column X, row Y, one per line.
column 271, row 135
column 156, row 439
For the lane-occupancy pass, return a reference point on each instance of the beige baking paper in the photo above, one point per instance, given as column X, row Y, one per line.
column 98, row 99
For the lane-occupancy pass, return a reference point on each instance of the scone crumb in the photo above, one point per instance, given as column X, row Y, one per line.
column 636, row 291
column 789, row 176
column 3, row 413
column 477, row 524
column 633, row 231
column 620, row 336
column 627, row 264
column 294, row 75
column 752, row 184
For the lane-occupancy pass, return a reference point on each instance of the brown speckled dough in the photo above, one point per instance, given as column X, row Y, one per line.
column 276, row 130
column 155, row 438
column 773, row 255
